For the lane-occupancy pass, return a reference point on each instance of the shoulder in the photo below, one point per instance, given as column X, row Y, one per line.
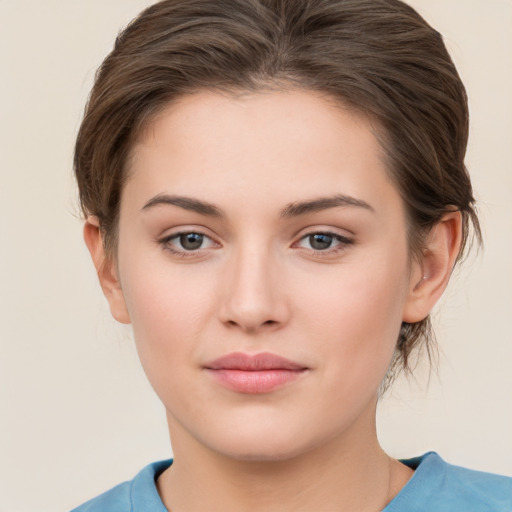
column 439, row 486
column 137, row 495
column 479, row 487
column 116, row 499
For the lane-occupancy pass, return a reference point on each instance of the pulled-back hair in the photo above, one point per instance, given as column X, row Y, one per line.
column 376, row 56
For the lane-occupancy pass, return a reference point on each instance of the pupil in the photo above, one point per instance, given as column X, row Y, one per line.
column 191, row 241
column 320, row 241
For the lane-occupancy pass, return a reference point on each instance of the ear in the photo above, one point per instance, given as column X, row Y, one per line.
column 106, row 270
column 430, row 276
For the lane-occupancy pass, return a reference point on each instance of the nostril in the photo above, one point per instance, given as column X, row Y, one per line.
column 248, row 326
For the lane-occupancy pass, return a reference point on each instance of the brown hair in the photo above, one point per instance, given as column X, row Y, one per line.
column 377, row 56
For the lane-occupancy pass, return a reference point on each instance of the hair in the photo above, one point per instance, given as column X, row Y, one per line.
column 379, row 57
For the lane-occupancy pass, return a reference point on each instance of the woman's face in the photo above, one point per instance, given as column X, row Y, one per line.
column 263, row 263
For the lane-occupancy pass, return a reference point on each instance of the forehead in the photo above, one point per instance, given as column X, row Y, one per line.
column 279, row 145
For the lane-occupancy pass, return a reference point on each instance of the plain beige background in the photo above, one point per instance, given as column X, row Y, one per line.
column 76, row 413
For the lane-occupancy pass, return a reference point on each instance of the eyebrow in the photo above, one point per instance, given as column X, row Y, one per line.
column 323, row 203
column 187, row 203
column 291, row 210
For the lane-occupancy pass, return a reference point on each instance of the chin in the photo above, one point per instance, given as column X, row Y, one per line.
column 262, row 444
column 263, row 453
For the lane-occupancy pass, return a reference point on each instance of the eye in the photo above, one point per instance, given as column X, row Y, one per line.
column 322, row 242
column 189, row 241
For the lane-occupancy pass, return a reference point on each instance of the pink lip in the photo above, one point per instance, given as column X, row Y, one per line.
column 259, row 373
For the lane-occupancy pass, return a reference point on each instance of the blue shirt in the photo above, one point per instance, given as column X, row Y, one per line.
column 436, row 486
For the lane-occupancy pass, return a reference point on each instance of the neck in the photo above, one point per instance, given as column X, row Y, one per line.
column 348, row 473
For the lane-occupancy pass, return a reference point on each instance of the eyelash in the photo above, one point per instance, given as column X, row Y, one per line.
column 343, row 243
column 166, row 243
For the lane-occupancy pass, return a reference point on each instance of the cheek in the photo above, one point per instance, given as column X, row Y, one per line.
column 358, row 314
column 168, row 309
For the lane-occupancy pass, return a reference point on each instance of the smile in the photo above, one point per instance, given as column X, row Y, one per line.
column 253, row 374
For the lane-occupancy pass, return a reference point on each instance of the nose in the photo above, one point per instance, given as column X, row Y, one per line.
column 254, row 297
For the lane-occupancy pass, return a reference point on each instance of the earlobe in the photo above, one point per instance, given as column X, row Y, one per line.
column 430, row 276
column 106, row 270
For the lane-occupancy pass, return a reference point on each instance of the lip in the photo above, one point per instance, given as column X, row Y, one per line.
column 254, row 373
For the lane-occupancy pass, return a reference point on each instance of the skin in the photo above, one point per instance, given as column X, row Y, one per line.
column 257, row 285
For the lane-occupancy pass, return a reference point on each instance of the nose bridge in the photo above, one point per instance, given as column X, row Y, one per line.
column 253, row 298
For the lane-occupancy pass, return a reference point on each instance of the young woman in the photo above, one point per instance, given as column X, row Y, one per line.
column 275, row 198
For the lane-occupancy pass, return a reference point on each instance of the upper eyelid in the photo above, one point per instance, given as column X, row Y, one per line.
column 335, row 227
column 341, row 238
column 327, row 232
column 164, row 240
column 174, row 232
column 313, row 230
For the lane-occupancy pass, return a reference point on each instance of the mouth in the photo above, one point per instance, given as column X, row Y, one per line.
column 254, row 374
